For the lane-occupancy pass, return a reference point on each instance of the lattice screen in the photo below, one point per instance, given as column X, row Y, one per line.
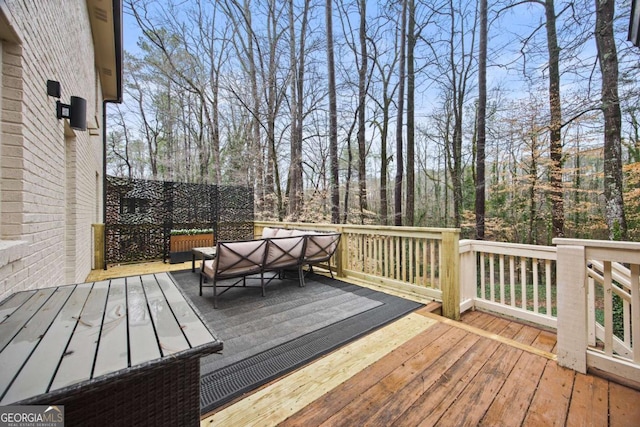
column 141, row 214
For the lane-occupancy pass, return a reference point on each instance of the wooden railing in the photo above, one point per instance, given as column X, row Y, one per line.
column 599, row 307
column 512, row 279
column 588, row 290
column 418, row 260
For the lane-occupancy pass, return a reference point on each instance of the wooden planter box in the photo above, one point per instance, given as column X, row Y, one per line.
column 180, row 246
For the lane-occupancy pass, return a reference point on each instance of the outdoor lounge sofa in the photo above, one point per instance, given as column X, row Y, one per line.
column 279, row 250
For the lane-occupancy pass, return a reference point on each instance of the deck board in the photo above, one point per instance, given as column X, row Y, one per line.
column 550, row 403
column 589, row 401
column 471, row 405
column 442, row 393
column 395, row 405
column 526, row 334
column 512, row 401
column 624, row 407
column 545, row 341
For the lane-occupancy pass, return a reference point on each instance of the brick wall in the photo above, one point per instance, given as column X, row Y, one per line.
column 51, row 175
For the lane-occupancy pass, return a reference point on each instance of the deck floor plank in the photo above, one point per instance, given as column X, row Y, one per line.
column 445, row 390
column 394, row 405
column 478, row 395
column 405, row 384
column 589, row 402
column 497, row 325
column 512, row 401
column 624, row 406
column 545, row 341
column 474, row 318
column 550, row 403
column 527, row 335
column 327, row 405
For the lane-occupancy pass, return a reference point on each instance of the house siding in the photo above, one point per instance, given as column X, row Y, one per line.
column 48, row 193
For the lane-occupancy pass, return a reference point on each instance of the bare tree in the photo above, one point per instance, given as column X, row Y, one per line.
column 409, row 209
column 333, row 117
column 608, row 59
column 297, row 60
column 399, row 124
column 482, row 122
column 384, row 105
column 555, row 122
column 362, row 94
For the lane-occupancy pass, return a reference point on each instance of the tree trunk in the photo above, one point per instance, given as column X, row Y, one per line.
column 362, row 93
column 482, row 123
column 333, row 118
column 399, row 127
column 608, row 58
column 555, row 125
column 411, row 78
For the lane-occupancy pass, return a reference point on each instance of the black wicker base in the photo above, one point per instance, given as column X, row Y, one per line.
column 165, row 395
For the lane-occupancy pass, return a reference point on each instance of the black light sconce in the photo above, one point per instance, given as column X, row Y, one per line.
column 76, row 111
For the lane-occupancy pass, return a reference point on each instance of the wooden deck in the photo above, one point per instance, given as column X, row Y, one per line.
column 428, row 370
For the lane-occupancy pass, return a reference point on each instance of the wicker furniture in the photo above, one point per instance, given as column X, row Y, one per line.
column 119, row 352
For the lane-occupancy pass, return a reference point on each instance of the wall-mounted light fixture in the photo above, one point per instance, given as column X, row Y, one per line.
column 76, row 111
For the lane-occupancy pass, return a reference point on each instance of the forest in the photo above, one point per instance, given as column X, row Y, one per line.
column 513, row 120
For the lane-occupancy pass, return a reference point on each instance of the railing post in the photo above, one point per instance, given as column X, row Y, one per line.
column 98, row 246
column 449, row 274
column 572, row 307
column 341, row 255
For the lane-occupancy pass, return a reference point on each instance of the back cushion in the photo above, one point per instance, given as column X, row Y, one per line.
column 320, row 246
column 284, row 232
column 268, row 232
column 236, row 257
column 284, row 251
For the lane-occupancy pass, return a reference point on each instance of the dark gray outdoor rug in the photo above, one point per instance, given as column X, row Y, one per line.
column 266, row 337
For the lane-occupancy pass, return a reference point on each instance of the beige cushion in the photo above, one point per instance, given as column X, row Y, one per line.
column 320, row 246
column 284, row 232
column 240, row 258
column 269, row 232
column 209, row 267
column 284, row 252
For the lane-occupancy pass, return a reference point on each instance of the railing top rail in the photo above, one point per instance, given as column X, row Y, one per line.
column 608, row 244
column 512, row 249
column 367, row 229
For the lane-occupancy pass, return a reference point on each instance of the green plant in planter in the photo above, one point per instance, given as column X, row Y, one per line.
column 191, row 231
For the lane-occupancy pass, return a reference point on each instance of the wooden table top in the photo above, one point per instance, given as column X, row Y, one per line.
column 58, row 337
